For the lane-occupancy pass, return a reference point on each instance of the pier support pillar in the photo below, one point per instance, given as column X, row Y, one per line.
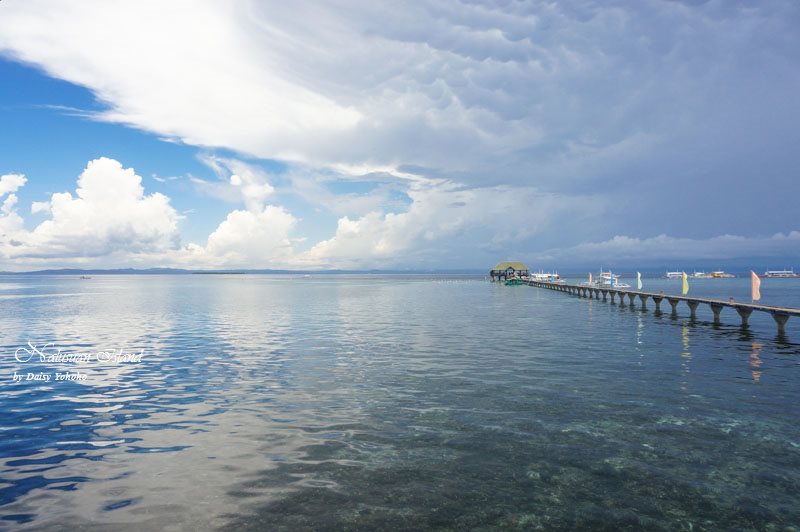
column 591, row 293
column 744, row 313
column 612, row 294
column 621, row 298
column 633, row 299
column 674, row 304
column 781, row 320
column 657, row 300
column 693, row 308
column 716, row 309
column 605, row 293
column 643, row 298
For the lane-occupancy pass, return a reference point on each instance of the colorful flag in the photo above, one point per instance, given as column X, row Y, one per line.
column 755, row 285
column 638, row 281
column 685, row 283
column 590, row 277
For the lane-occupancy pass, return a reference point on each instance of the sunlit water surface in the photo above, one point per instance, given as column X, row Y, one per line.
column 364, row 402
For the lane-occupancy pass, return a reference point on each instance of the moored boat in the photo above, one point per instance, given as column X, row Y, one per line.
column 786, row 274
column 547, row 277
column 719, row 274
column 605, row 280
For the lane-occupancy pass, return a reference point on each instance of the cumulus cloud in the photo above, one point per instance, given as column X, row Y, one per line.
column 11, row 183
column 441, row 214
column 252, row 239
column 109, row 213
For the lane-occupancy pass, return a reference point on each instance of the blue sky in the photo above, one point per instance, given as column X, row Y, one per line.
column 435, row 135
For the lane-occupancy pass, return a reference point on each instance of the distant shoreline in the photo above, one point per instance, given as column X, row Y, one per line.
column 177, row 271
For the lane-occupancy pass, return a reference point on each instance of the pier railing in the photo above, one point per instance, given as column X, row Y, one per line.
column 779, row 314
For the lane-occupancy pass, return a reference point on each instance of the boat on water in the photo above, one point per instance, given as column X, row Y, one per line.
column 717, row 274
column 786, row 274
column 547, row 277
column 674, row 275
column 605, row 280
column 514, row 282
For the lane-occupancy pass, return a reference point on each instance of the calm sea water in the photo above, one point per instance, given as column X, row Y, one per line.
column 389, row 402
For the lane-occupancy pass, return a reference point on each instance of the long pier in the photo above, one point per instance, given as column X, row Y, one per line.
column 779, row 314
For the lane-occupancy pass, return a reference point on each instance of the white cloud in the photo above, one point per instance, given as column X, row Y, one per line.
column 40, row 207
column 11, row 183
column 253, row 239
column 237, row 181
column 202, row 80
column 109, row 213
column 441, row 214
column 8, row 204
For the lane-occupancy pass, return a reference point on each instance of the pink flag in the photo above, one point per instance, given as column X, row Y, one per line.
column 755, row 284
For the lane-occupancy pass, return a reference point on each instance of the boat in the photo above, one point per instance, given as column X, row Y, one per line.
column 514, row 282
column 781, row 274
column 605, row 280
column 610, row 280
column 674, row 275
column 547, row 278
column 719, row 274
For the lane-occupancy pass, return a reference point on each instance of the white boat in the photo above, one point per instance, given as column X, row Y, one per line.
column 674, row 275
column 611, row 280
column 781, row 273
column 605, row 280
column 719, row 274
column 547, row 277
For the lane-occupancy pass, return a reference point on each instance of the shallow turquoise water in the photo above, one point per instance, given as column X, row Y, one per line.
column 333, row 402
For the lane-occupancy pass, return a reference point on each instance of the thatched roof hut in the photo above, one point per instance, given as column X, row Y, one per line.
column 507, row 269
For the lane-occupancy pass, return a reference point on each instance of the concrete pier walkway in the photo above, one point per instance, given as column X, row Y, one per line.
column 779, row 314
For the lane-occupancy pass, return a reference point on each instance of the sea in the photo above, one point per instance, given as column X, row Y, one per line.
column 391, row 402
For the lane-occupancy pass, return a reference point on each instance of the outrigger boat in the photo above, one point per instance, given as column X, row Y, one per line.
column 786, row 274
column 547, row 278
column 605, row 280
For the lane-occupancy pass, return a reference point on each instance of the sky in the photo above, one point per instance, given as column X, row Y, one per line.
column 435, row 134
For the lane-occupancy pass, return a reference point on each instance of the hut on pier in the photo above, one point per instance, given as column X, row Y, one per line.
column 507, row 270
